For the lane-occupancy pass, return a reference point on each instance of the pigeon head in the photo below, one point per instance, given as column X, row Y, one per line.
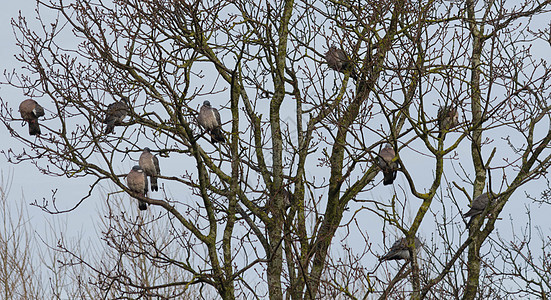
column 206, row 103
column 387, row 153
column 146, row 149
column 137, row 168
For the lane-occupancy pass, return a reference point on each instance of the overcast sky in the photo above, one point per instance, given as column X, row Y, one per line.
column 27, row 181
column 29, row 185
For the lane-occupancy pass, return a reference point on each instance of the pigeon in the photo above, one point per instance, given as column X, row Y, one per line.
column 339, row 61
column 400, row 250
column 389, row 167
column 478, row 206
column 30, row 111
column 137, row 182
column 116, row 112
column 288, row 199
column 448, row 118
column 150, row 165
column 209, row 118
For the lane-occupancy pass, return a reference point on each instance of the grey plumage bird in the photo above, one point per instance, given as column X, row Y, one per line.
column 338, row 60
column 448, row 118
column 209, row 118
column 478, row 206
column 150, row 165
column 30, row 111
column 387, row 165
column 115, row 114
column 137, row 182
column 400, row 250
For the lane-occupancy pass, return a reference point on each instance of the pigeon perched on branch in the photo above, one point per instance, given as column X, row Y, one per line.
column 150, row 165
column 209, row 118
column 448, row 118
column 30, row 111
column 288, row 199
column 387, row 165
column 137, row 182
column 478, row 206
column 338, row 60
column 115, row 114
column 400, row 250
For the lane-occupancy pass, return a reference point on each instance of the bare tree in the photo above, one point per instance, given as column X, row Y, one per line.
column 136, row 256
column 19, row 275
column 297, row 131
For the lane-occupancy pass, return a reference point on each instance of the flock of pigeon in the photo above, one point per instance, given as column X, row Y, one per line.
column 447, row 117
column 209, row 119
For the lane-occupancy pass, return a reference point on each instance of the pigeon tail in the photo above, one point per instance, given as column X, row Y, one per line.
column 471, row 213
column 216, row 135
column 154, row 186
column 142, row 205
column 34, row 128
column 395, row 255
column 110, row 126
column 389, row 177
